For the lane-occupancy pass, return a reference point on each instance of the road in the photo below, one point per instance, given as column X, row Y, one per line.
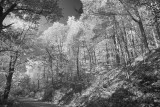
column 30, row 102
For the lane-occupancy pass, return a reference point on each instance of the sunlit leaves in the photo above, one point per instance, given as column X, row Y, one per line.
column 54, row 34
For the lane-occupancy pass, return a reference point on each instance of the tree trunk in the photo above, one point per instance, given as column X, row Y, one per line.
column 125, row 41
column 50, row 63
column 8, row 81
column 115, row 41
column 77, row 63
column 144, row 37
column 90, row 58
column 9, row 76
column 155, row 39
column 38, row 83
column 1, row 18
column 133, row 44
column 157, row 25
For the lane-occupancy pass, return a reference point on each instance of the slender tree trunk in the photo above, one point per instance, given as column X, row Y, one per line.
column 117, row 57
column 8, row 84
column 155, row 39
column 50, row 63
column 144, row 37
column 38, row 83
column 122, row 59
column 51, row 69
column 77, row 63
column 94, row 59
column 90, row 58
column 44, row 73
column 157, row 25
column 133, row 44
column 1, row 18
column 126, row 43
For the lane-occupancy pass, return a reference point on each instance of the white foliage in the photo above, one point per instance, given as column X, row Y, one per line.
column 20, row 24
column 34, row 69
column 54, row 34
column 74, row 28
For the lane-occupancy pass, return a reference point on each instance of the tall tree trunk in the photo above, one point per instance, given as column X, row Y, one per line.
column 50, row 63
column 133, row 43
column 8, row 84
column 9, row 77
column 38, row 85
column 125, row 41
column 157, row 25
column 117, row 57
column 155, row 39
column 77, row 63
column 90, row 58
column 144, row 37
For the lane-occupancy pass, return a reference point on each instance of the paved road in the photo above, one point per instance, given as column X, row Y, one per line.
column 30, row 102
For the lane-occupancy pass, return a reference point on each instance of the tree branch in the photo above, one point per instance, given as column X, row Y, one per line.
column 6, row 50
column 9, row 10
column 4, row 27
column 31, row 10
column 108, row 14
column 128, row 11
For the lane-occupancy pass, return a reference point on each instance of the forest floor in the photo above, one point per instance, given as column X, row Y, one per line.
column 30, row 102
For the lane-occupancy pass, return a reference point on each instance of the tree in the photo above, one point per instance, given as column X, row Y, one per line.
column 29, row 10
column 15, row 45
column 137, row 18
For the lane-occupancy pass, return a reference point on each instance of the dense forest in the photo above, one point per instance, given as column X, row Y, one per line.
column 108, row 57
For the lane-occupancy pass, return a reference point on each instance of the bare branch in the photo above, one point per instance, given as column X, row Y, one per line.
column 7, row 26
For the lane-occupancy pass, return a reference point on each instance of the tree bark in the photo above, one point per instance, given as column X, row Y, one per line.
column 8, row 80
column 155, row 39
column 8, row 85
column 144, row 37
column 157, row 25
column 77, row 63
column 125, row 41
column 117, row 57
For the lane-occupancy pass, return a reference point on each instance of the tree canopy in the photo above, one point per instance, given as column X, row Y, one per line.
column 30, row 10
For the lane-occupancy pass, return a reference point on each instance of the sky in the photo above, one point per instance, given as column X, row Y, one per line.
column 68, row 7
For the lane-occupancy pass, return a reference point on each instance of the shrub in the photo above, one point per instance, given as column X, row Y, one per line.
column 48, row 94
